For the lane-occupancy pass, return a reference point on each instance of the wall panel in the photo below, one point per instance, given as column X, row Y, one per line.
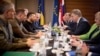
column 88, row 7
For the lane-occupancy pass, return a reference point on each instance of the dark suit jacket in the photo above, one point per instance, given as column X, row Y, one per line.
column 7, row 40
column 94, row 43
column 95, row 49
column 29, row 26
column 37, row 25
column 71, row 25
column 95, row 54
column 82, row 27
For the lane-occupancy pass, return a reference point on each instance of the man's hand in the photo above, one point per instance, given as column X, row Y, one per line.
column 44, row 26
column 65, row 26
column 39, row 34
column 84, row 49
column 75, row 42
column 75, row 37
column 30, row 42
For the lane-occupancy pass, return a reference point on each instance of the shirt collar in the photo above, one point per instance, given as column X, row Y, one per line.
column 78, row 19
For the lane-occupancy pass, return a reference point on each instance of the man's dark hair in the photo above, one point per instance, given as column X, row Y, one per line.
column 29, row 14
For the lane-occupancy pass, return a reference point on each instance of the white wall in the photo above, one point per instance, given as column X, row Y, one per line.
column 49, row 10
column 32, row 5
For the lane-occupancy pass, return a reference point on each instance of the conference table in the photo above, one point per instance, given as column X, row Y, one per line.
column 57, row 45
column 16, row 53
column 32, row 53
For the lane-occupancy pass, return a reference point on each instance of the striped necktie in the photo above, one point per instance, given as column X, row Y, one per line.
column 97, row 31
column 10, row 32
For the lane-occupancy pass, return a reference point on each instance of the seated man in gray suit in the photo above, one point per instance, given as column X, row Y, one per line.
column 7, row 41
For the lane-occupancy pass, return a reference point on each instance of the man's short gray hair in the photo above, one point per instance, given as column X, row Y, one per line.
column 5, row 6
column 77, row 12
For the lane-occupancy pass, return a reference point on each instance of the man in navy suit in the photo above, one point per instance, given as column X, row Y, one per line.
column 82, row 25
column 36, row 22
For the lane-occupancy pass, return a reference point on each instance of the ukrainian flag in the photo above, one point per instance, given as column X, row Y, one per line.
column 41, row 10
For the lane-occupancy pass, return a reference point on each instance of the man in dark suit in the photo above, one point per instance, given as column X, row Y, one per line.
column 28, row 24
column 7, row 40
column 36, row 22
column 82, row 25
column 31, row 23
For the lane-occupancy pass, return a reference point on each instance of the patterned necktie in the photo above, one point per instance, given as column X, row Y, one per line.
column 97, row 31
column 10, row 32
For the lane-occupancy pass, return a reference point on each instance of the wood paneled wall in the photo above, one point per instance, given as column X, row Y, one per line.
column 88, row 7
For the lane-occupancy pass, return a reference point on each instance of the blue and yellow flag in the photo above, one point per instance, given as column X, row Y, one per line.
column 41, row 10
column 55, row 12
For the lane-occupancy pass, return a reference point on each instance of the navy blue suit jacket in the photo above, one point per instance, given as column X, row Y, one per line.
column 95, row 50
column 81, row 28
column 29, row 26
column 95, row 44
column 71, row 25
column 37, row 25
column 95, row 54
